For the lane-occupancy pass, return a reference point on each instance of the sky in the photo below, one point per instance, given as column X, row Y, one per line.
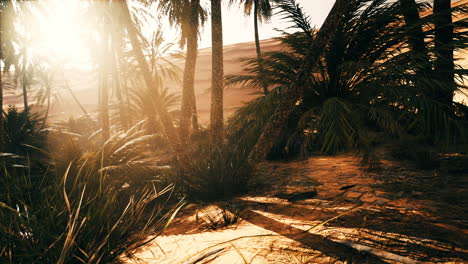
column 239, row 28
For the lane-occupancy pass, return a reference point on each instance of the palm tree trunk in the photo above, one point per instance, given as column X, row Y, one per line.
column 296, row 88
column 116, row 78
column 104, row 103
column 258, row 48
column 46, row 115
column 24, row 85
column 415, row 33
column 67, row 86
column 444, row 63
column 2, row 127
column 195, row 125
column 217, row 74
column 166, row 120
column 417, row 43
column 188, row 93
column 412, row 20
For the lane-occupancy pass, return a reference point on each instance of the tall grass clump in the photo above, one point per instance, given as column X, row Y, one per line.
column 216, row 172
column 88, row 202
column 75, row 222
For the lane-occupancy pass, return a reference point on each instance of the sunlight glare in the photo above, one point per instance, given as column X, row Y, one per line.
column 56, row 31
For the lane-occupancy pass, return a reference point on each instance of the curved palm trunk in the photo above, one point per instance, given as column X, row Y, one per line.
column 67, row 86
column 217, row 74
column 166, row 120
column 258, row 48
column 296, row 88
column 188, row 93
column 444, row 64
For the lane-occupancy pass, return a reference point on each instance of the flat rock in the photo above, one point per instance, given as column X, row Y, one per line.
column 351, row 194
column 381, row 201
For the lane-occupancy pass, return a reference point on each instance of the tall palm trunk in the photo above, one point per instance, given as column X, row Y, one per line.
column 116, row 78
column 444, row 63
column 104, row 102
column 415, row 33
column 67, row 87
column 217, row 74
column 166, row 120
column 104, row 84
column 24, row 85
column 258, row 48
column 296, row 88
column 188, row 94
column 2, row 127
column 46, row 115
column 417, row 44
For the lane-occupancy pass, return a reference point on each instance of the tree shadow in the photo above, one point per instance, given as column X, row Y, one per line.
column 312, row 241
column 401, row 234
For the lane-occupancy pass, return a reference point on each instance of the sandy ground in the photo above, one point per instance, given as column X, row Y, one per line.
column 395, row 215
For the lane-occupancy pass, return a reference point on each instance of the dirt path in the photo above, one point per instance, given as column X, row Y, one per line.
column 395, row 215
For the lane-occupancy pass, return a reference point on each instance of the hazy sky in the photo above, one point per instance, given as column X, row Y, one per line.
column 239, row 28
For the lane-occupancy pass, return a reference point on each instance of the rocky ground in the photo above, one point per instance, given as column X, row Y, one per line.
column 327, row 210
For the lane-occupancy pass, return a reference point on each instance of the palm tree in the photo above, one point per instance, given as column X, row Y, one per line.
column 188, row 16
column 443, row 49
column 365, row 81
column 262, row 10
column 165, row 119
column 296, row 88
column 217, row 74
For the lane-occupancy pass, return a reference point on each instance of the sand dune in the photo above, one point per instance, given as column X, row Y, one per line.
column 84, row 84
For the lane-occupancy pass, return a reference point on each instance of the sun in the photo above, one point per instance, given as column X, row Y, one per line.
column 56, row 30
